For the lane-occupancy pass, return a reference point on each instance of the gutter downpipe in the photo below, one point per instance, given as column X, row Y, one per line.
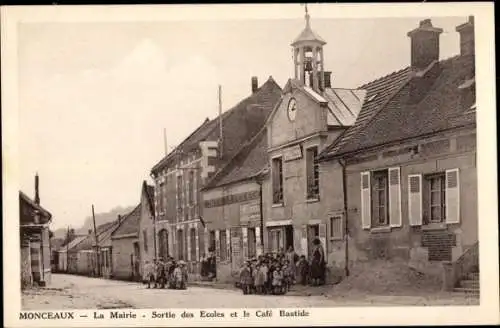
column 259, row 179
column 346, row 225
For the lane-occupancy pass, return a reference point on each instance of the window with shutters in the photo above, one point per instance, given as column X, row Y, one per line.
column 312, row 168
column 191, row 188
column 336, row 230
column 434, row 198
column 380, row 197
column 223, row 245
column 277, row 180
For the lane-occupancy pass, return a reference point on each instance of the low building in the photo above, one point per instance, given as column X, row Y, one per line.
column 55, row 245
column 65, row 250
column 233, row 207
column 408, row 165
column 83, row 258
column 125, row 245
column 34, row 223
column 149, row 250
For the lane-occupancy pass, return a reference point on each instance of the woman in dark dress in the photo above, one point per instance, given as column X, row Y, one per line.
column 317, row 263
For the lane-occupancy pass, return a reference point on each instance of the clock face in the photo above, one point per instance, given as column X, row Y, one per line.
column 292, row 109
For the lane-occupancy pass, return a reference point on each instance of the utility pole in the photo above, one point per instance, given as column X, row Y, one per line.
column 96, row 242
column 67, row 249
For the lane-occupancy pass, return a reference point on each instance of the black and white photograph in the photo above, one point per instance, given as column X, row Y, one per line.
column 268, row 165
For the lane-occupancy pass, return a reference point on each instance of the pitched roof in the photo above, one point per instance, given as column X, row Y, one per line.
column 378, row 93
column 247, row 163
column 129, row 224
column 239, row 124
column 24, row 198
column 398, row 119
column 77, row 240
column 150, row 196
column 103, row 234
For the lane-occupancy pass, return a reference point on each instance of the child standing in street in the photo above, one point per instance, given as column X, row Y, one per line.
column 277, row 280
column 245, row 278
column 303, row 268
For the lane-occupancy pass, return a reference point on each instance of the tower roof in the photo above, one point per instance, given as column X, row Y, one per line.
column 307, row 34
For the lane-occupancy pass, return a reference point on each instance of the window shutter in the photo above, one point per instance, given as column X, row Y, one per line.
column 322, row 236
column 365, row 200
column 228, row 244
column 452, row 196
column 395, row 197
column 244, row 233
column 415, row 199
column 303, row 240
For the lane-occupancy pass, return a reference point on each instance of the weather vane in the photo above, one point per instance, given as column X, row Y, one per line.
column 307, row 13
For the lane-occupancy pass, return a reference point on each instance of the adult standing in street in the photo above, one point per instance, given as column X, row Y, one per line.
column 317, row 263
column 292, row 258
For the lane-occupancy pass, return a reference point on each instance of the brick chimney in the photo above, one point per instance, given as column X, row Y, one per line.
column 424, row 44
column 37, row 193
column 467, row 45
column 466, row 30
column 255, row 84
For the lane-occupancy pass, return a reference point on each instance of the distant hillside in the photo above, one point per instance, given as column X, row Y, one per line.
column 101, row 218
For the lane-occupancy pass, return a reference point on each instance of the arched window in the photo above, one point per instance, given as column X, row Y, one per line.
column 163, row 243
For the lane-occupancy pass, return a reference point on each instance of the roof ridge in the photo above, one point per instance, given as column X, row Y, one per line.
column 365, row 86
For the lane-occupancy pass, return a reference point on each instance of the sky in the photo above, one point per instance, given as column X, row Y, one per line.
column 94, row 98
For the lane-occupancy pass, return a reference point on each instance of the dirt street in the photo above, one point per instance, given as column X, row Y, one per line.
column 77, row 292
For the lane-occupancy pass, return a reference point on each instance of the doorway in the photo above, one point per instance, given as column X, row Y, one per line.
column 312, row 233
column 136, row 260
column 288, row 237
column 280, row 238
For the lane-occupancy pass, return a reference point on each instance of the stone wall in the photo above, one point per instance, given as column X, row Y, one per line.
column 123, row 249
column 427, row 246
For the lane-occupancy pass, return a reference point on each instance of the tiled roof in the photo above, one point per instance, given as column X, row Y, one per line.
column 24, row 198
column 103, row 234
column 129, row 224
column 378, row 93
column 239, row 124
column 247, row 163
column 398, row 119
column 77, row 240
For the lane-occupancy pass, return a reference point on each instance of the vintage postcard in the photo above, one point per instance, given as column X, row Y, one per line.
column 250, row 165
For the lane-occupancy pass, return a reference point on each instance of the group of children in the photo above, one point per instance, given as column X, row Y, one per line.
column 269, row 274
column 171, row 273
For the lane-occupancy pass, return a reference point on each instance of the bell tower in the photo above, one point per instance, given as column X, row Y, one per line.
column 308, row 57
